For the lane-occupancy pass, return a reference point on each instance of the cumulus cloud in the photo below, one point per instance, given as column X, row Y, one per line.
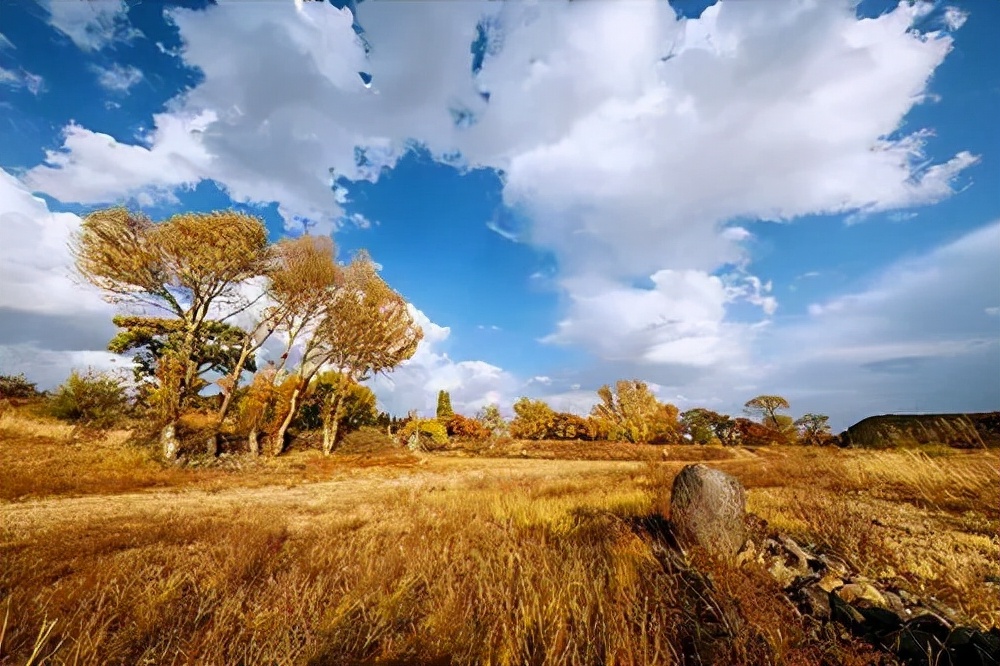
column 414, row 385
column 52, row 321
column 629, row 136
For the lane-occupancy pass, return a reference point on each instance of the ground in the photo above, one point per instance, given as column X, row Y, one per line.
column 107, row 556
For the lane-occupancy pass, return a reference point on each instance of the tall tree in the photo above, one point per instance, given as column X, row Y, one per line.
column 366, row 329
column 189, row 267
column 490, row 417
column 444, row 410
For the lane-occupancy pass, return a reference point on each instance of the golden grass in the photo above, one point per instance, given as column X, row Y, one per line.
column 440, row 559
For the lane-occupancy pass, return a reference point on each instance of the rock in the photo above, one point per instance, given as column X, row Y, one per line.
column 707, row 510
column 814, row 602
column 829, row 583
column 854, row 593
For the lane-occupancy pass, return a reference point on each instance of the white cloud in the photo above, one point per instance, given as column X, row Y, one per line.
column 414, row 385
column 22, row 79
column 630, row 137
column 118, row 78
column 91, row 24
column 51, row 320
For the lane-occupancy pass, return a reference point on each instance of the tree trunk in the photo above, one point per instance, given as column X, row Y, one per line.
column 212, row 444
column 279, row 436
column 253, row 442
column 168, row 441
column 332, row 423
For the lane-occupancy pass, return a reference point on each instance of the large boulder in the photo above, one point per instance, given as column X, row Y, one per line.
column 707, row 510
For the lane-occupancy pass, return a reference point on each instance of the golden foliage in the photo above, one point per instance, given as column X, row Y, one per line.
column 632, row 413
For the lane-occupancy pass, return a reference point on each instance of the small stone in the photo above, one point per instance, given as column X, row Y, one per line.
column 829, row 583
column 859, row 592
column 894, row 603
column 814, row 602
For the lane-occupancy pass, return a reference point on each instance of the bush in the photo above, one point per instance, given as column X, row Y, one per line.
column 429, row 431
column 464, row 428
column 367, row 439
column 16, row 386
column 92, row 399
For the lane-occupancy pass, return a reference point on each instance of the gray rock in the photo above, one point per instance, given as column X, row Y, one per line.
column 707, row 508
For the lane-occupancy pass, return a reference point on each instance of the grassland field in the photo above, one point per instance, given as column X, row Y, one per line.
column 532, row 554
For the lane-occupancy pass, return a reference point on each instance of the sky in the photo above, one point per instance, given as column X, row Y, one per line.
column 723, row 199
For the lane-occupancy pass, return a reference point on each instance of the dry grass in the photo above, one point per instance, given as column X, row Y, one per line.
column 441, row 559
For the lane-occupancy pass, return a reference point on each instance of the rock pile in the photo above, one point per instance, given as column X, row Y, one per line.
column 707, row 511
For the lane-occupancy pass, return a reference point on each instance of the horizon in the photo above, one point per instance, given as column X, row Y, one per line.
column 721, row 199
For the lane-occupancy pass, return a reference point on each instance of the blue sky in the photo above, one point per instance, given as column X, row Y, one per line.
column 723, row 199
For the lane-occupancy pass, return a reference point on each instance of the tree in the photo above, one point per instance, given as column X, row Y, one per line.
column 491, row 418
column 567, row 426
column 814, row 429
column 699, row 424
column 153, row 338
column 632, row 413
column 302, row 280
column 464, row 428
column 330, row 389
column 189, row 267
column 765, row 407
column 444, row 410
column 16, row 386
column 533, row 419
column 750, row 433
column 366, row 329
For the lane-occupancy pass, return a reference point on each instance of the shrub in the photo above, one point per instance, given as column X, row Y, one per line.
column 94, row 399
column 429, row 431
column 16, row 386
column 366, row 439
column 462, row 427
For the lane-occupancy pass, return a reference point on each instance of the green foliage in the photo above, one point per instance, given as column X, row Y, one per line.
column 93, row 399
column 533, row 419
column 216, row 349
column 444, row 410
column 356, row 405
column 698, row 423
column 16, row 386
column 814, row 429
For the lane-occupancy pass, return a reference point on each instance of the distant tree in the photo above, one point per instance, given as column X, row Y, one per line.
column 491, row 418
column 465, row 428
column 750, row 433
column 814, row 429
column 725, row 429
column 533, row 419
column 698, row 424
column 632, row 413
column 784, row 428
column 418, row 434
column 190, row 267
column 567, row 426
column 765, row 407
column 16, row 386
column 444, row 410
